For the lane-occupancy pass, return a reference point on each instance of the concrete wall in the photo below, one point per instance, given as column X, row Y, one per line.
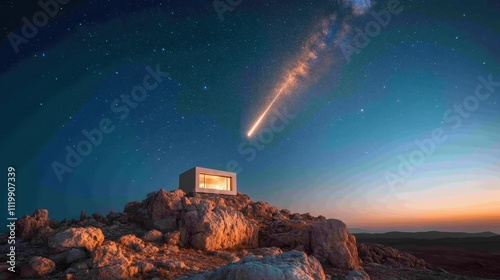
column 187, row 180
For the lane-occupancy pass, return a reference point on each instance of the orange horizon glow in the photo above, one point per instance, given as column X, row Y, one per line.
column 459, row 221
column 468, row 208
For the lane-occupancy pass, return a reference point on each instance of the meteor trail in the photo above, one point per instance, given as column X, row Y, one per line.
column 317, row 53
column 300, row 69
column 268, row 107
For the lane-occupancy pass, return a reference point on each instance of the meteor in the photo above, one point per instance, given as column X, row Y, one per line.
column 249, row 134
column 317, row 53
column 300, row 69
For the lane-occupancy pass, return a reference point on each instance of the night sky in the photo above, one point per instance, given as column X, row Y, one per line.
column 399, row 130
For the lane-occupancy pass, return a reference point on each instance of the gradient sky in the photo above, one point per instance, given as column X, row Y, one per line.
column 353, row 121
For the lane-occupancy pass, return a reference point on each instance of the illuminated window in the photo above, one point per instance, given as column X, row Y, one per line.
column 214, row 182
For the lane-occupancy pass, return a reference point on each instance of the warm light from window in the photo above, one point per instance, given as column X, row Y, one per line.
column 214, row 182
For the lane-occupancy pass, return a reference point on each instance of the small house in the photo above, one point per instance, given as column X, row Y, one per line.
column 205, row 180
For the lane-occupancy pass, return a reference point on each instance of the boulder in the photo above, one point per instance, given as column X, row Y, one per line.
column 88, row 238
column 287, row 234
column 164, row 209
column 132, row 242
column 325, row 239
column 218, row 229
column 28, row 226
column 37, row 267
column 153, row 236
column 109, row 254
column 76, row 255
column 136, row 212
column 331, row 240
column 288, row 266
column 166, row 224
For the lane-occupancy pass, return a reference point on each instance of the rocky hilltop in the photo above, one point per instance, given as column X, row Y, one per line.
column 171, row 235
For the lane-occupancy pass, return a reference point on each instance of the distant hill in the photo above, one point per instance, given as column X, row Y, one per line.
column 359, row 230
column 421, row 235
column 484, row 244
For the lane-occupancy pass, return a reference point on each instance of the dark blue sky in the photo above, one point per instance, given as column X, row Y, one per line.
column 355, row 144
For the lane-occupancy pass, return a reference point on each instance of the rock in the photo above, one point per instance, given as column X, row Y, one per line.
column 287, row 234
column 110, row 272
column 260, row 209
column 229, row 256
column 88, row 238
column 150, row 249
column 98, row 217
column 83, row 215
column 167, row 224
column 266, row 251
column 110, row 254
column 28, row 226
column 144, row 267
column 173, row 238
column 42, row 236
column 218, row 229
column 288, row 266
column 171, row 249
column 60, row 258
column 136, row 212
column 163, row 209
column 300, row 248
column 285, row 212
column 326, row 240
column 132, row 242
column 37, row 267
column 112, row 215
column 173, row 265
column 76, row 255
column 295, row 216
column 153, row 236
column 80, row 266
column 331, row 240
column 357, row 275
column 384, row 255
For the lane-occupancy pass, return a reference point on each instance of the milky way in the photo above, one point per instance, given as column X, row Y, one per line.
column 319, row 46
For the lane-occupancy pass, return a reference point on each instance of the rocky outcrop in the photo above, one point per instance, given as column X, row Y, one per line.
column 37, row 267
column 173, row 234
column 163, row 209
column 88, row 238
column 287, row 266
column 331, row 240
column 29, row 226
column 325, row 239
column 109, row 254
column 384, row 255
column 217, row 229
